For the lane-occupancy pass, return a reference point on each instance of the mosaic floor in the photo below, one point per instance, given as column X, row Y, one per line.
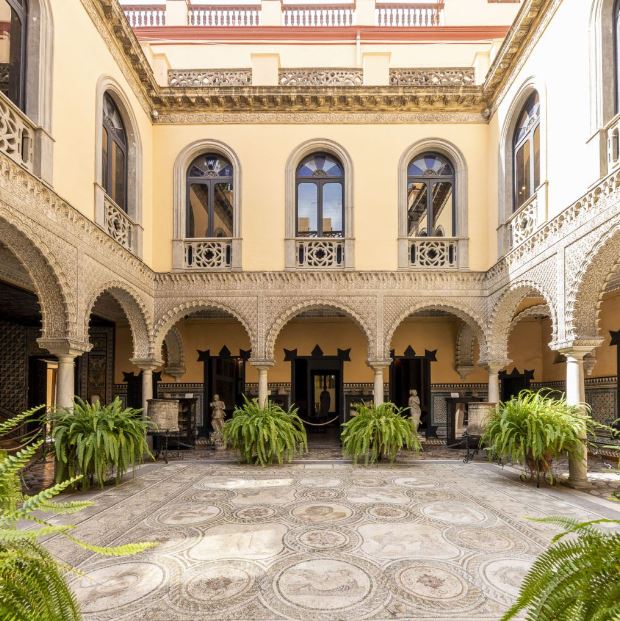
column 328, row 541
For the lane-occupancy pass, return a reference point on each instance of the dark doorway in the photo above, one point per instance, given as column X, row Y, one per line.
column 224, row 375
column 409, row 372
column 134, row 388
column 514, row 382
column 317, row 387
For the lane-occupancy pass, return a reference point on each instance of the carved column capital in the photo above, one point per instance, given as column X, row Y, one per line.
column 262, row 363
column 379, row 365
column 64, row 347
column 146, row 364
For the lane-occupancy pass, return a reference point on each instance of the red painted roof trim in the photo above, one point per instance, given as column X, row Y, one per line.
column 332, row 35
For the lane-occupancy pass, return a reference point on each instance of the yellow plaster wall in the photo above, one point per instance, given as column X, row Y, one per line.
column 81, row 57
column 375, row 150
column 609, row 320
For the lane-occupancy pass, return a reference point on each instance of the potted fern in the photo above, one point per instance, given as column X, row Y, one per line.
column 265, row 435
column 32, row 581
column 575, row 579
column 534, row 428
column 95, row 441
column 378, row 432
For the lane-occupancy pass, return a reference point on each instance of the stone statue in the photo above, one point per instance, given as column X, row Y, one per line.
column 218, row 416
column 414, row 408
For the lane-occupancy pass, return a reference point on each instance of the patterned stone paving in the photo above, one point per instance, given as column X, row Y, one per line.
column 315, row 541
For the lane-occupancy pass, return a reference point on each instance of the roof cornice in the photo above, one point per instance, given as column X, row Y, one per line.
column 199, row 104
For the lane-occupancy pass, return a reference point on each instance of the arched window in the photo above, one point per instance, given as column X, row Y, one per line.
column 430, row 196
column 210, row 201
column 13, row 19
column 114, row 153
column 319, row 197
column 526, row 151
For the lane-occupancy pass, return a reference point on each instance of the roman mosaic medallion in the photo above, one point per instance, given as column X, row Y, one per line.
column 373, row 495
column 310, row 538
column 321, row 513
column 254, row 513
column 433, row 585
column 117, row 584
column 506, row 574
column 386, row 512
column 242, row 541
column 215, row 586
column 385, row 541
column 321, row 588
column 454, row 512
column 484, row 539
column 187, row 514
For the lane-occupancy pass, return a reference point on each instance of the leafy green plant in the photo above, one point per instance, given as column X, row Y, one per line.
column 95, row 440
column 32, row 583
column 265, row 434
column 533, row 428
column 576, row 579
column 378, row 432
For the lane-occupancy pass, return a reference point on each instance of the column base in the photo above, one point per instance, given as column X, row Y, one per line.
column 578, row 485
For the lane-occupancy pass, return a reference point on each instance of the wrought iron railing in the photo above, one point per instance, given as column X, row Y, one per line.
column 433, row 252
column 16, row 133
column 208, row 253
column 118, row 225
column 319, row 253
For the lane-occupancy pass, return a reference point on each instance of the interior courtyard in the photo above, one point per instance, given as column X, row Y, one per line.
column 322, row 206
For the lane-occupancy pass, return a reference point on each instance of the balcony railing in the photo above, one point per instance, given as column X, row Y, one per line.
column 318, row 16
column 16, row 133
column 118, row 225
column 144, row 16
column 319, row 253
column 320, row 77
column 216, row 16
column 524, row 222
column 209, row 77
column 409, row 15
column 208, row 253
column 433, row 252
column 303, row 14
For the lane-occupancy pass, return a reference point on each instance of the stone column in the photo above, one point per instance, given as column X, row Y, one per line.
column 147, row 367
column 378, row 366
column 66, row 351
column 576, row 395
column 262, row 366
column 65, row 381
column 493, row 390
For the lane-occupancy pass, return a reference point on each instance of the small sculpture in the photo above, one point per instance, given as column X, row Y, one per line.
column 414, row 408
column 218, row 417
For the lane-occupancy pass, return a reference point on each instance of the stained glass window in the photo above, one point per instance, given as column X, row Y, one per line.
column 320, row 197
column 114, row 153
column 430, row 196
column 210, row 198
column 526, row 151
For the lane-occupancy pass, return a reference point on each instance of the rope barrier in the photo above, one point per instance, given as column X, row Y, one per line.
column 321, row 424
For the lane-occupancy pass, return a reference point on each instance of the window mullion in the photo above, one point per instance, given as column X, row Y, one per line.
column 319, row 209
column 211, row 207
column 429, row 208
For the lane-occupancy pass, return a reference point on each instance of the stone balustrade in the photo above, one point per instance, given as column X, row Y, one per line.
column 209, row 77
column 319, row 253
column 144, row 16
column 320, row 77
column 16, row 134
column 409, row 15
column 441, row 76
column 118, row 225
column 217, row 16
column 304, row 14
column 208, row 253
column 318, row 16
column 433, row 252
